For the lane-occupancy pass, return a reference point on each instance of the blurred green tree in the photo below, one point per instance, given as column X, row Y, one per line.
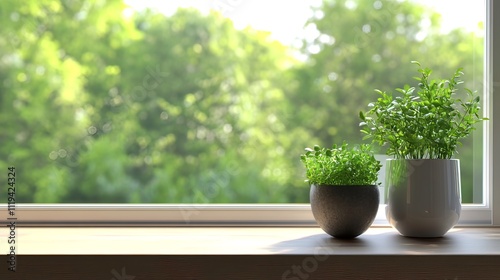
column 101, row 106
column 364, row 45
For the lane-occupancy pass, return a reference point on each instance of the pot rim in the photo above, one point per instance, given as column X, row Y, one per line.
column 346, row 186
column 424, row 159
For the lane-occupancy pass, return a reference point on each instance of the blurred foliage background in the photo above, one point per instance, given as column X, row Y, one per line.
column 97, row 106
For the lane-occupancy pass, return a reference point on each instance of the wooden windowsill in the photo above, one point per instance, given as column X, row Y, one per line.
column 263, row 252
column 244, row 241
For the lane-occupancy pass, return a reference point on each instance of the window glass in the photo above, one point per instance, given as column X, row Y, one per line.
column 210, row 101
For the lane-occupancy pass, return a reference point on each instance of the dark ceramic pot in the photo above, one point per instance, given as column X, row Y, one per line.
column 344, row 211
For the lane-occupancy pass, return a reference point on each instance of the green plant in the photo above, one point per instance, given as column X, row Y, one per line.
column 423, row 123
column 341, row 165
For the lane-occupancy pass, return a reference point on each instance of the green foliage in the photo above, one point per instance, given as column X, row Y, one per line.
column 98, row 105
column 341, row 165
column 360, row 46
column 423, row 123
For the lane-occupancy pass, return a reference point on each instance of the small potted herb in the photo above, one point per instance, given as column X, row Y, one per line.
column 422, row 127
column 344, row 194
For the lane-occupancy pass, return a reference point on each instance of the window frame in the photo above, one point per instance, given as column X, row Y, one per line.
column 485, row 214
column 196, row 215
column 492, row 83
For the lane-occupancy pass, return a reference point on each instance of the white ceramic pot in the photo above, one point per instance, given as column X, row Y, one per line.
column 423, row 196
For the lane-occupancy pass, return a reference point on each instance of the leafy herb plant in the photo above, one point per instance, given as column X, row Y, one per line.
column 341, row 165
column 424, row 123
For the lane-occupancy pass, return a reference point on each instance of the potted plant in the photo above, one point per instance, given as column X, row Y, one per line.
column 422, row 128
column 344, row 194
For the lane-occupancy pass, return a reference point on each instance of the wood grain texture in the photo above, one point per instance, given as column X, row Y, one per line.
column 290, row 267
column 248, row 253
